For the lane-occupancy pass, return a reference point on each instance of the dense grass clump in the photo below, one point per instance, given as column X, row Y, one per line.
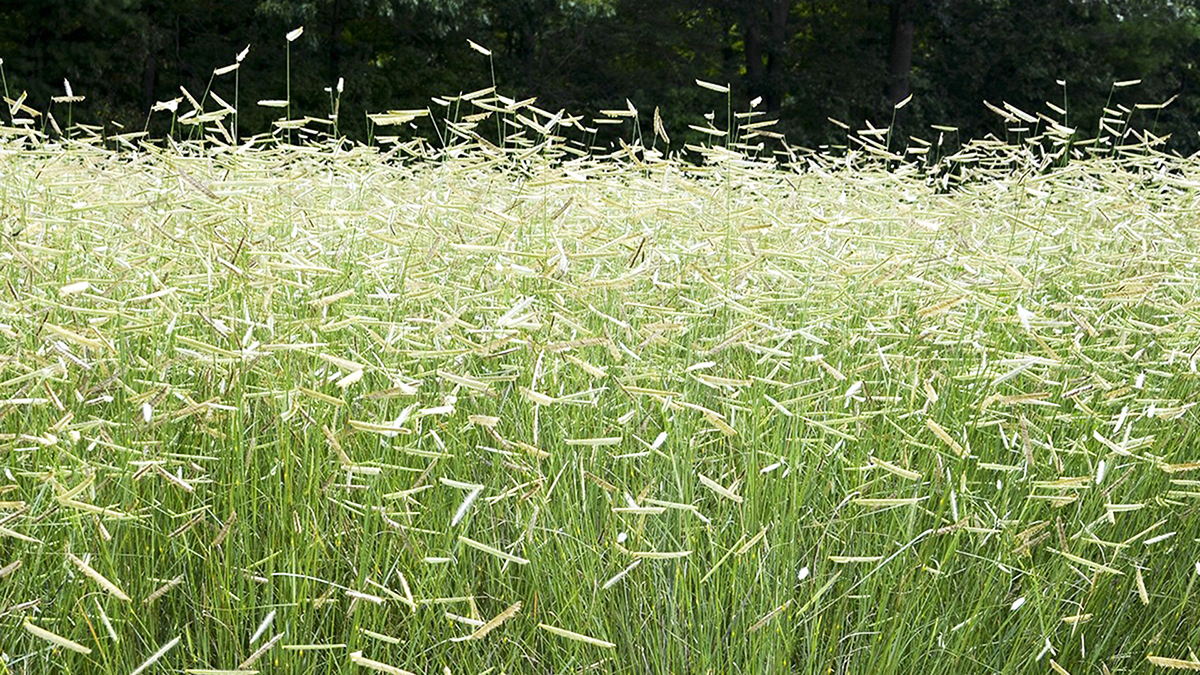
column 520, row 408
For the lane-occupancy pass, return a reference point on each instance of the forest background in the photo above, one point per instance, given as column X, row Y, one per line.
column 809, row 60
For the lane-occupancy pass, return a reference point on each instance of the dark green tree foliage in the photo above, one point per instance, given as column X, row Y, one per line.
column 1019, row 50
column 808, row 60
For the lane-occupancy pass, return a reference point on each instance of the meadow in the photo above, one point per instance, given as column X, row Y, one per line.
column 480, row 398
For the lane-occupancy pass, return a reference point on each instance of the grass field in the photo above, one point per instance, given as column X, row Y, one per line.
column 322, row 408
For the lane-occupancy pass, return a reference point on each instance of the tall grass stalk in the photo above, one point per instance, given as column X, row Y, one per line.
column 290, row 38
column 4, row 82
column 237, row 85
column 500, row 136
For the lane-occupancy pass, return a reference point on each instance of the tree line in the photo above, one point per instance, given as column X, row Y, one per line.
column 818, row 65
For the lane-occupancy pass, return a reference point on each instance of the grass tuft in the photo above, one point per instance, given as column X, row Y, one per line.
column 735, row 407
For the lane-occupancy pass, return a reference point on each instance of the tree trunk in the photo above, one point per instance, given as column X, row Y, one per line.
column 764, row 41
column 149, row 78
column 776, row 53
column 900, row 51
column 336, row 25
column 529, row 21
column 756, row 79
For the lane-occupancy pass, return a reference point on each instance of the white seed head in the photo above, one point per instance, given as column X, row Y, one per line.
column 479, row 48
column 1025, row 316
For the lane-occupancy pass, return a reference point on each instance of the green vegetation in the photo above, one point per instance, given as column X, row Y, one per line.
column 467, row 407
